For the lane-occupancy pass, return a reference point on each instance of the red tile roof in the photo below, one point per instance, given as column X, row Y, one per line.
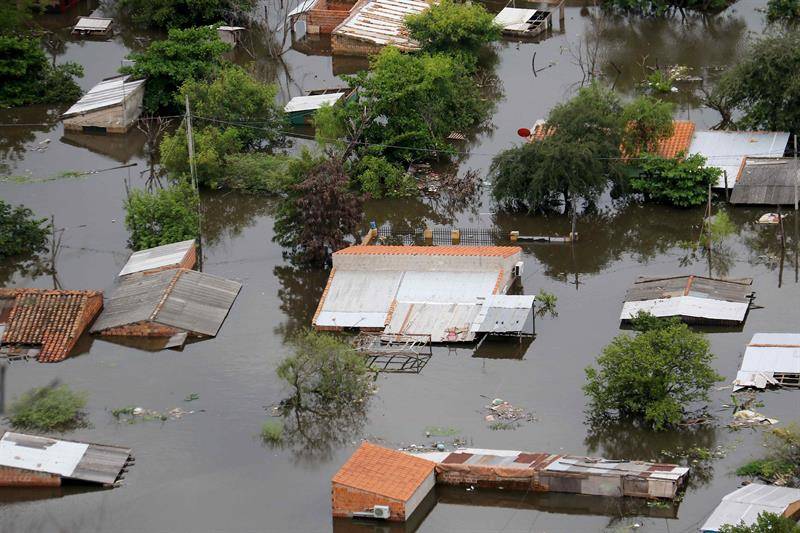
column 486, row 251
column 52, row 319
column 389, row 473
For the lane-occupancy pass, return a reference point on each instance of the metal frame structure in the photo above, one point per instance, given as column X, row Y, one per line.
column 404, row 354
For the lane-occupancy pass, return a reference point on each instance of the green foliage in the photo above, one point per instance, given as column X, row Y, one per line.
column 783, row 10
column 765, row 84
column 324, row 373
column 716, row 229
column 257, row 173
column 576, row 158
column 546, row 304
column 20, row 233
column 50, row 408
column 647, row 120
column 441, row 431
column 453, row 27
column 680, row 181
column 272, row 432
column 167, row 14
column 15, row 14
column 382, row 179
column 766, row 469
column 666, row 7
column 212, row 146
column 765, row 523
column 161, row 217
column 782, row 463
column 651, row 377
column 191, row 54
column 27, row 77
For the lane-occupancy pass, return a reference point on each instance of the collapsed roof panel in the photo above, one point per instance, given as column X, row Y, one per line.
column 769, row 359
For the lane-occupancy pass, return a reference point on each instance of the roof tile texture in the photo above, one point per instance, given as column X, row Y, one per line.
column 486, row 251
column 383, row 471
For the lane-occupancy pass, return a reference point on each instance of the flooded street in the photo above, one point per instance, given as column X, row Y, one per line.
column 209, row 471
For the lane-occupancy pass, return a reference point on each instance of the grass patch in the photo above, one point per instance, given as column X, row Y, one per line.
column 502, row 426
column 50, row 408
column 123, row 411
column 272, row 432
column 441, row 431
column 192, row 397
column 766, row 468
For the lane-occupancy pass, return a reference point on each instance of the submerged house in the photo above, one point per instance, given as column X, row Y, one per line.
column 172, row 304
column 373, row 24
column 44, row 323
column 301, row 109
column 770, row 359
column 111, row 106
column 433, row 293
column 695, row 299
column 35, row 461
column 321, row 16
column 746, row 503
column 168, row 256
column 519, row 22
column 766, row 181
column 231, row 35
column 93, row 27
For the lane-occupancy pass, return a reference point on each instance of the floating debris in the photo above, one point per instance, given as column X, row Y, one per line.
column 133, row 414
column 503, row 415
column 746, row 418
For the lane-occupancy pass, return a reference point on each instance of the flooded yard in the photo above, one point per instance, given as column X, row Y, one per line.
column 209, row 471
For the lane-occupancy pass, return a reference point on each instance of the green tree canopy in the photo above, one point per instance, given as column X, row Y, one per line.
column 765, row 523
column 453, row 27
column 191, row 54
column 646, row 120
column 653, row 376
column 680, row 181
column 168, row 14
column 783, row 10
column 50, row 408
column 161, row 217
column 21, row 234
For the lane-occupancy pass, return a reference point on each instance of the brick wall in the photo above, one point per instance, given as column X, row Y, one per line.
column 16, row 477
column 353, row 47
column 485, row 478
column 141, row 329
column 346, row 501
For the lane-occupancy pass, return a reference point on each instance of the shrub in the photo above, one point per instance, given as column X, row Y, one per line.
column 783, row 10
column 182, row 13
column 257, row 173
column 20, row 233
column 212, row 146
column 453, row 27
column 161, row 217
column 765, row 523
column 272, row 432
column 782, row 464
column 382, row 179
column 682, row 182
column 50, row 408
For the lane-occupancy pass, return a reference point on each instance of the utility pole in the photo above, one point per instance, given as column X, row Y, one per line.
column 193, row 171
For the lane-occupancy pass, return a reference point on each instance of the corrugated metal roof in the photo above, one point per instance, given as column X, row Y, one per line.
column 502, row 313
column 688, row 306
column 134, row 300
column 444, row 322
column 358, row 299
column 310, row 103
column 766, row 182
column 381, row 22
column 514, row 18
column 93, row 24
column 107, row 93
column 726, row 149
column 745, row 504
column 767, row 354
column 158, row 257
column 446, row 287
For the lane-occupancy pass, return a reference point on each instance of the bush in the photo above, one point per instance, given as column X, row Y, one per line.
column 272, row 432
column 50, row 408
column 382, row 179
column 682, row 182
column 257, row 173
column 651, row 377
column 452, row 27
column 782, row 464
column 161, row 217
column 182, row 13
column 783, row 10
column 20, row 233
column 765, row 523
column 27, row 77
column 212, row 146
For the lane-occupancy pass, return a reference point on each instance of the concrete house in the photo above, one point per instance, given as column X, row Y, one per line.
column 111, row 106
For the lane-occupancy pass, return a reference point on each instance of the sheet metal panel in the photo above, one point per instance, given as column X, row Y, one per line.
column 511, row 16
column 198, row 302
column 133, row 300
column 160, row 256
column 343, row 319
column 766, row 182
column 779, row 352
column 93, row 24
column 747, row 502
column 726, row 149
column 444, row 322
column 688, row 306
column 446, row 287
column 105, row 94
column 503, row 313
column 310, row 103
column 40, row 454
column 361, row 292
column 381, row 22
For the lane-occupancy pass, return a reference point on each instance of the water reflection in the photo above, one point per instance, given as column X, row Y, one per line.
column 300, row 290
column 16, row 141
column 227, row 214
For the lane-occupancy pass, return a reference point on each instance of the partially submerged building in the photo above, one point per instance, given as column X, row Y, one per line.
column 35, row 461
column 231, row 35
column 767, row 181
column 726, row 150
column 437, row 293
column 770, row 359
column 111, row 106
column 168, row 256
column 321, row 16
column 44, row 323
column 173, row 303
column 93, row 27
column 373, row 24
column 520, row 22
column 301, row 109
column 695, row 299
column 746, row 503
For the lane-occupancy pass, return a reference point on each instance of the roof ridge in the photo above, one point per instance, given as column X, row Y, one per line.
column 167, row 292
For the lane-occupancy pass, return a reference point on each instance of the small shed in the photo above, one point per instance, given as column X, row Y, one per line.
column 518, row 22
column 375, row 476
column 301, row 109
column 770, row 359
column 746, row 503
column 695, row 299
column 45, row 323
column 767, row 181
column 35, row 461
column 93, row 27
column 171, row 303
column 112, row 106
column 373, row 24
column 231, row 35
column 169, row 256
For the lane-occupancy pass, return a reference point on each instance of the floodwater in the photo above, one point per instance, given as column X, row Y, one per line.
column 208, row 471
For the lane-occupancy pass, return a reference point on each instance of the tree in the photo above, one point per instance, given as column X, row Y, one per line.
column 647, row 121
column 27, row 77
column 319, row 212
column 453, row 28
column 161, row 217
column 168, row 14
column 15, row 14
column 380, row 178
column 653, row 376
column 679, row 181
column 212, row 146
column 783, row 10
column 191, row 54
column 20, row 233
column 765, row 84
column 765, row 523
column 50, row 408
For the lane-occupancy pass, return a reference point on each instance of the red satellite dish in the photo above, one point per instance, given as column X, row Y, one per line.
column 524, row 132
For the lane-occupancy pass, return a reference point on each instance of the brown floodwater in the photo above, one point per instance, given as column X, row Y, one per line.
column 208, row 471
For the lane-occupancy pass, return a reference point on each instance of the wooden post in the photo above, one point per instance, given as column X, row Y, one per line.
column 574, row 219
column 455, row 236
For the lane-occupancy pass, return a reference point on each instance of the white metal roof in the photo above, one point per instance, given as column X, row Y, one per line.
column 745, row 504
column 53, row 456
column 514, row 18
column 93, row 24
column 688, row 306
column 310, row 103
column 446, row 287
column 107, row 93
column 444, row 322
column 358, row 299
column 381, row 22
column 158, row 257
column 766, row 354
column 503, row 313
column 231, row 28
column 726, row 149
